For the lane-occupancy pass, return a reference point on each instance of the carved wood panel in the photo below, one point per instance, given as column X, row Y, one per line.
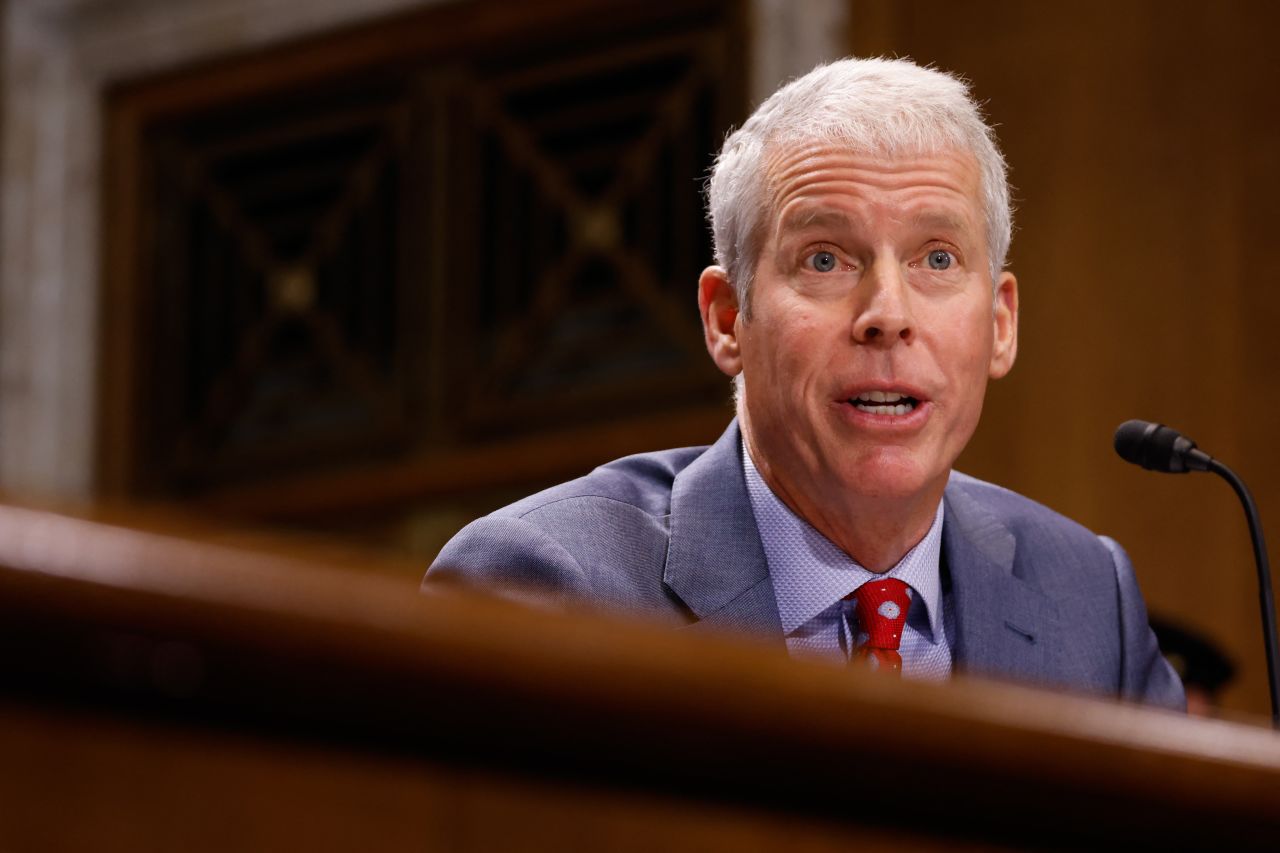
column 448, row 243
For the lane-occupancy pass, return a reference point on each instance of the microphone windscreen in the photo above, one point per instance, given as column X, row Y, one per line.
column 1149, row 445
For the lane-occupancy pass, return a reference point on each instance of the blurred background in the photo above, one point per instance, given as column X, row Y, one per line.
column 357, row 272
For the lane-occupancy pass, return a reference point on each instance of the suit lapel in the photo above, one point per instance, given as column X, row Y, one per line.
column 1005, row 627
column 715, row 562
column 716, row 565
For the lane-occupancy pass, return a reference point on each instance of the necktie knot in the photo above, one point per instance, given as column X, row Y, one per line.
column 881, row 609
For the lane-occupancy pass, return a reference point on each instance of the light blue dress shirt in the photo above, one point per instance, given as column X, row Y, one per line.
column 811, row 577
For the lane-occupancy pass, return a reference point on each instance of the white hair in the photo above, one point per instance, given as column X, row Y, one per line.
column 876, row 106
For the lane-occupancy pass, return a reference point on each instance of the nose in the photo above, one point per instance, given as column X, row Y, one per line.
column 882, row 313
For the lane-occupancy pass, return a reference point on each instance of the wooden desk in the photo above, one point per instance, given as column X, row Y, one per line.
column 164, row 694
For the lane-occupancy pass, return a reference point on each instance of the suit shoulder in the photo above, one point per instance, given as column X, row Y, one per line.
column 1029, row 520
column 600, row 538
column 642, row 481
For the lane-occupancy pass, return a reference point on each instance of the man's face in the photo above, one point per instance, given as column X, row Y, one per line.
column 872, row 331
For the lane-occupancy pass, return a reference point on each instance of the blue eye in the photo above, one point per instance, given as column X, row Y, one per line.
column 939, row 259
column 822, row 261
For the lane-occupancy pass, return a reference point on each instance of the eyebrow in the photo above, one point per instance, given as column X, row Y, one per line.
column 935, row 221
column 815, row 218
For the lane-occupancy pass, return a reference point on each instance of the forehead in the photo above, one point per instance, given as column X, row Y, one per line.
column 822, row 181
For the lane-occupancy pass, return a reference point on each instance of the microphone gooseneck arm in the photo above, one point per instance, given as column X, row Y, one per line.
column 1159, row 448
column 1264, row 581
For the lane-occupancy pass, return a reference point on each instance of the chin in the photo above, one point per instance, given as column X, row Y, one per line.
column 889, row 476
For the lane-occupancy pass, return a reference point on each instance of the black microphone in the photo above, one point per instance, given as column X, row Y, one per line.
column 1157, row 447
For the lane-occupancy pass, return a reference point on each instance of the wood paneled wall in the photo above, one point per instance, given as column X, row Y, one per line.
column 1141, row 137
column 301, row 274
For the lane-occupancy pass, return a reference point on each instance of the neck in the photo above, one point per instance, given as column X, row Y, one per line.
column 875, row 530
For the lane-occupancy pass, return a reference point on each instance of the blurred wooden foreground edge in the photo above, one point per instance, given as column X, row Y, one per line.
column 162, row 693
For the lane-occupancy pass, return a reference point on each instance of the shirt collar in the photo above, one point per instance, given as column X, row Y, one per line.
column 810, row 572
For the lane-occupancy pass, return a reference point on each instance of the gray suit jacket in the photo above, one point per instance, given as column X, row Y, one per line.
column 1037, row 597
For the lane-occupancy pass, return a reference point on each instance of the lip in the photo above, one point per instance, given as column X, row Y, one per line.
column 908, row 423
column 851, row 391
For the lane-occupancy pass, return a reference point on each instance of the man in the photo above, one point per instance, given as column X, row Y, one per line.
column 860, row 301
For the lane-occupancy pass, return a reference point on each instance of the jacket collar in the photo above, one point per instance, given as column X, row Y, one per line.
column 715, row 562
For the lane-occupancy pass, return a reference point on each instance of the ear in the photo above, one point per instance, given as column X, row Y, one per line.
column 1004, row 315
column 718, row 305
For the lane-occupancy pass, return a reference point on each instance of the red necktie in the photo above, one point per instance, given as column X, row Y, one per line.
column 881, row 607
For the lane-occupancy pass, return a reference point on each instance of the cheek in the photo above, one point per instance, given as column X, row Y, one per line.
column 971, row 340
column 799, row 350
column 968, row 354
column 785, row 337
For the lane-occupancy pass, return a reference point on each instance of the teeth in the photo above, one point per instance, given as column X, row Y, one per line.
column 884, row 403
column 880, row 397
column 900, row 409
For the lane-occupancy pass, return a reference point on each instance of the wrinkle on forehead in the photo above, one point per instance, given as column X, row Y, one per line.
column 781, row 161
column 797, row 174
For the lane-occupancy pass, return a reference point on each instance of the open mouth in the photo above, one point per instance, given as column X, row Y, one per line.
column 884, row 403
